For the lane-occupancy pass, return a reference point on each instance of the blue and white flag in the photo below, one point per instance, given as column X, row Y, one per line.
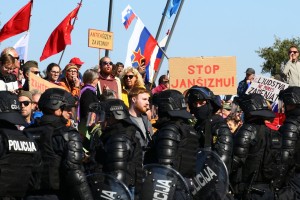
column 22, row 47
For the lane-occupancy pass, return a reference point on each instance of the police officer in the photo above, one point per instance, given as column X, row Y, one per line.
column 291, row 137
column 212, row 128
column 255, row 149
column 60, row 175
column 119, row 153
column 175, row 138
column 17, row 150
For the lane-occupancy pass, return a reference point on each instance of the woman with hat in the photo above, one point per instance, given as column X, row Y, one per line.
column 71, row 81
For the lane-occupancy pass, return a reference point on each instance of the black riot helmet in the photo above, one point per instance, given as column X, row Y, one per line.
column 171, row 103
column 290, row 96
column 255, row 105
column 196, row 93
column 56, row 98
column 110, row 108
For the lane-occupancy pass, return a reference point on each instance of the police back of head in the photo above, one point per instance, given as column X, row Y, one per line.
column 10, row 108
column 205, row 96
column 54, row 99
column 171, row 103
column 291, row 96
column 255, row 106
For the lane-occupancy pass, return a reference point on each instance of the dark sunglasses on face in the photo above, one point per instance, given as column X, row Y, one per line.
column 17, row 58
column 107, row 63
column 37, row 72
column 128, row 76
column 293, row 51
column 25, row 103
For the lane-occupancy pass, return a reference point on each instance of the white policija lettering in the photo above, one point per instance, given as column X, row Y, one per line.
column 162, row 191
column 16, row 145
column 108, row 195
column 200, row 180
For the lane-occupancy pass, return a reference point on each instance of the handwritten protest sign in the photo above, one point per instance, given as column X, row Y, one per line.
column 36, row 82
column 100, row 39
column 269, row 88
column 216, row 73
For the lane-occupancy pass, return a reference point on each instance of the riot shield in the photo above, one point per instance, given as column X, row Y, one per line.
column 162, row 182
column 211, row 181
column 104, row 186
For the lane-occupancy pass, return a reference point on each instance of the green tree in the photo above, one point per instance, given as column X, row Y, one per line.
column 277, row 54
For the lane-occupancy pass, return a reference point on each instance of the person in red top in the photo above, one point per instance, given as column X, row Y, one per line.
column 164, row 84
column 106, row 79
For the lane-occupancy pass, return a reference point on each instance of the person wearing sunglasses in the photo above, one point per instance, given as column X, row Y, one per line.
column 8, row 80
column 71, row 81
column 130, row 77
column 27, row 107
column 106, row 78
column 29, row 67
column 291, row 69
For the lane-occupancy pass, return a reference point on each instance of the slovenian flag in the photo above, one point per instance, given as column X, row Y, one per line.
column 127, row 16
column 140, row 47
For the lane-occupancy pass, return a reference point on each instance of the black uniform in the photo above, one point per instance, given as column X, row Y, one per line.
column 212, row 128
column 256, row 152
column 176, row 143
column 60, row 174
column 119, row 152
column 291, row 137
column 17, row 150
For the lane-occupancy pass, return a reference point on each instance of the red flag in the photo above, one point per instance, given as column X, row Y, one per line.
column 60, row 37
column 18, row 23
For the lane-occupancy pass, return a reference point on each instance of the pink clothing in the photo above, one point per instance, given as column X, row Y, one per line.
column 159, row 88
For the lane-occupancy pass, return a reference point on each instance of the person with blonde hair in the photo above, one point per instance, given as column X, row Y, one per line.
column 130, row 78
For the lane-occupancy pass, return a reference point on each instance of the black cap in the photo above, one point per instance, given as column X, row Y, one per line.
column 250, row 71
column 10, row 108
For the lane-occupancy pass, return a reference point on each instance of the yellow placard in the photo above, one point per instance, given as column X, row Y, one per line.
column 100, row 39
column 216, row 73
column 36, row 82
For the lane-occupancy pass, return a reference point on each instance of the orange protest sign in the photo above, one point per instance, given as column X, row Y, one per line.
column 36, row 82
column 216, row 73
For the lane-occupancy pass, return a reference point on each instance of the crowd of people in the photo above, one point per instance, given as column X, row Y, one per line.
column 111, row 120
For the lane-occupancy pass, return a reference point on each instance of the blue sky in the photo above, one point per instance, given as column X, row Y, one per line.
column 204, row 28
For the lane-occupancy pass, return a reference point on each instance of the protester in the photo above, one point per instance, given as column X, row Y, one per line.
column 8, row 80
column 78, row 63
column 71, row 82
column 118, row 69
column 36, row 94
column 87, row 96
column 12, row 51
column 130, row 78
column 234, row 122
column 138, row 107
column 244, row 84
column 107, row 80
column 27, row 106
column 292, row 68
column 52, row 73
column 164, row 84
column 30, row 66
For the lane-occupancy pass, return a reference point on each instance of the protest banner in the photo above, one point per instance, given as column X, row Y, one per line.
column 36, row 82
column 216, row 73
column 100, row 39
column 269, row 88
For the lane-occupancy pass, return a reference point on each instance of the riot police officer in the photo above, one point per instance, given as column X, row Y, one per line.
column 118, row 152
column 291, row 137
column 176, row 143
column 255, row 152
column 17, row 150
column 60, row 174
column 212, row 128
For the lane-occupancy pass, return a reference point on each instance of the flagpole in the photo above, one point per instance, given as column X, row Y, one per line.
column 109, row 23
column 168, row 40
column 162, row 20
column 62, row 54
